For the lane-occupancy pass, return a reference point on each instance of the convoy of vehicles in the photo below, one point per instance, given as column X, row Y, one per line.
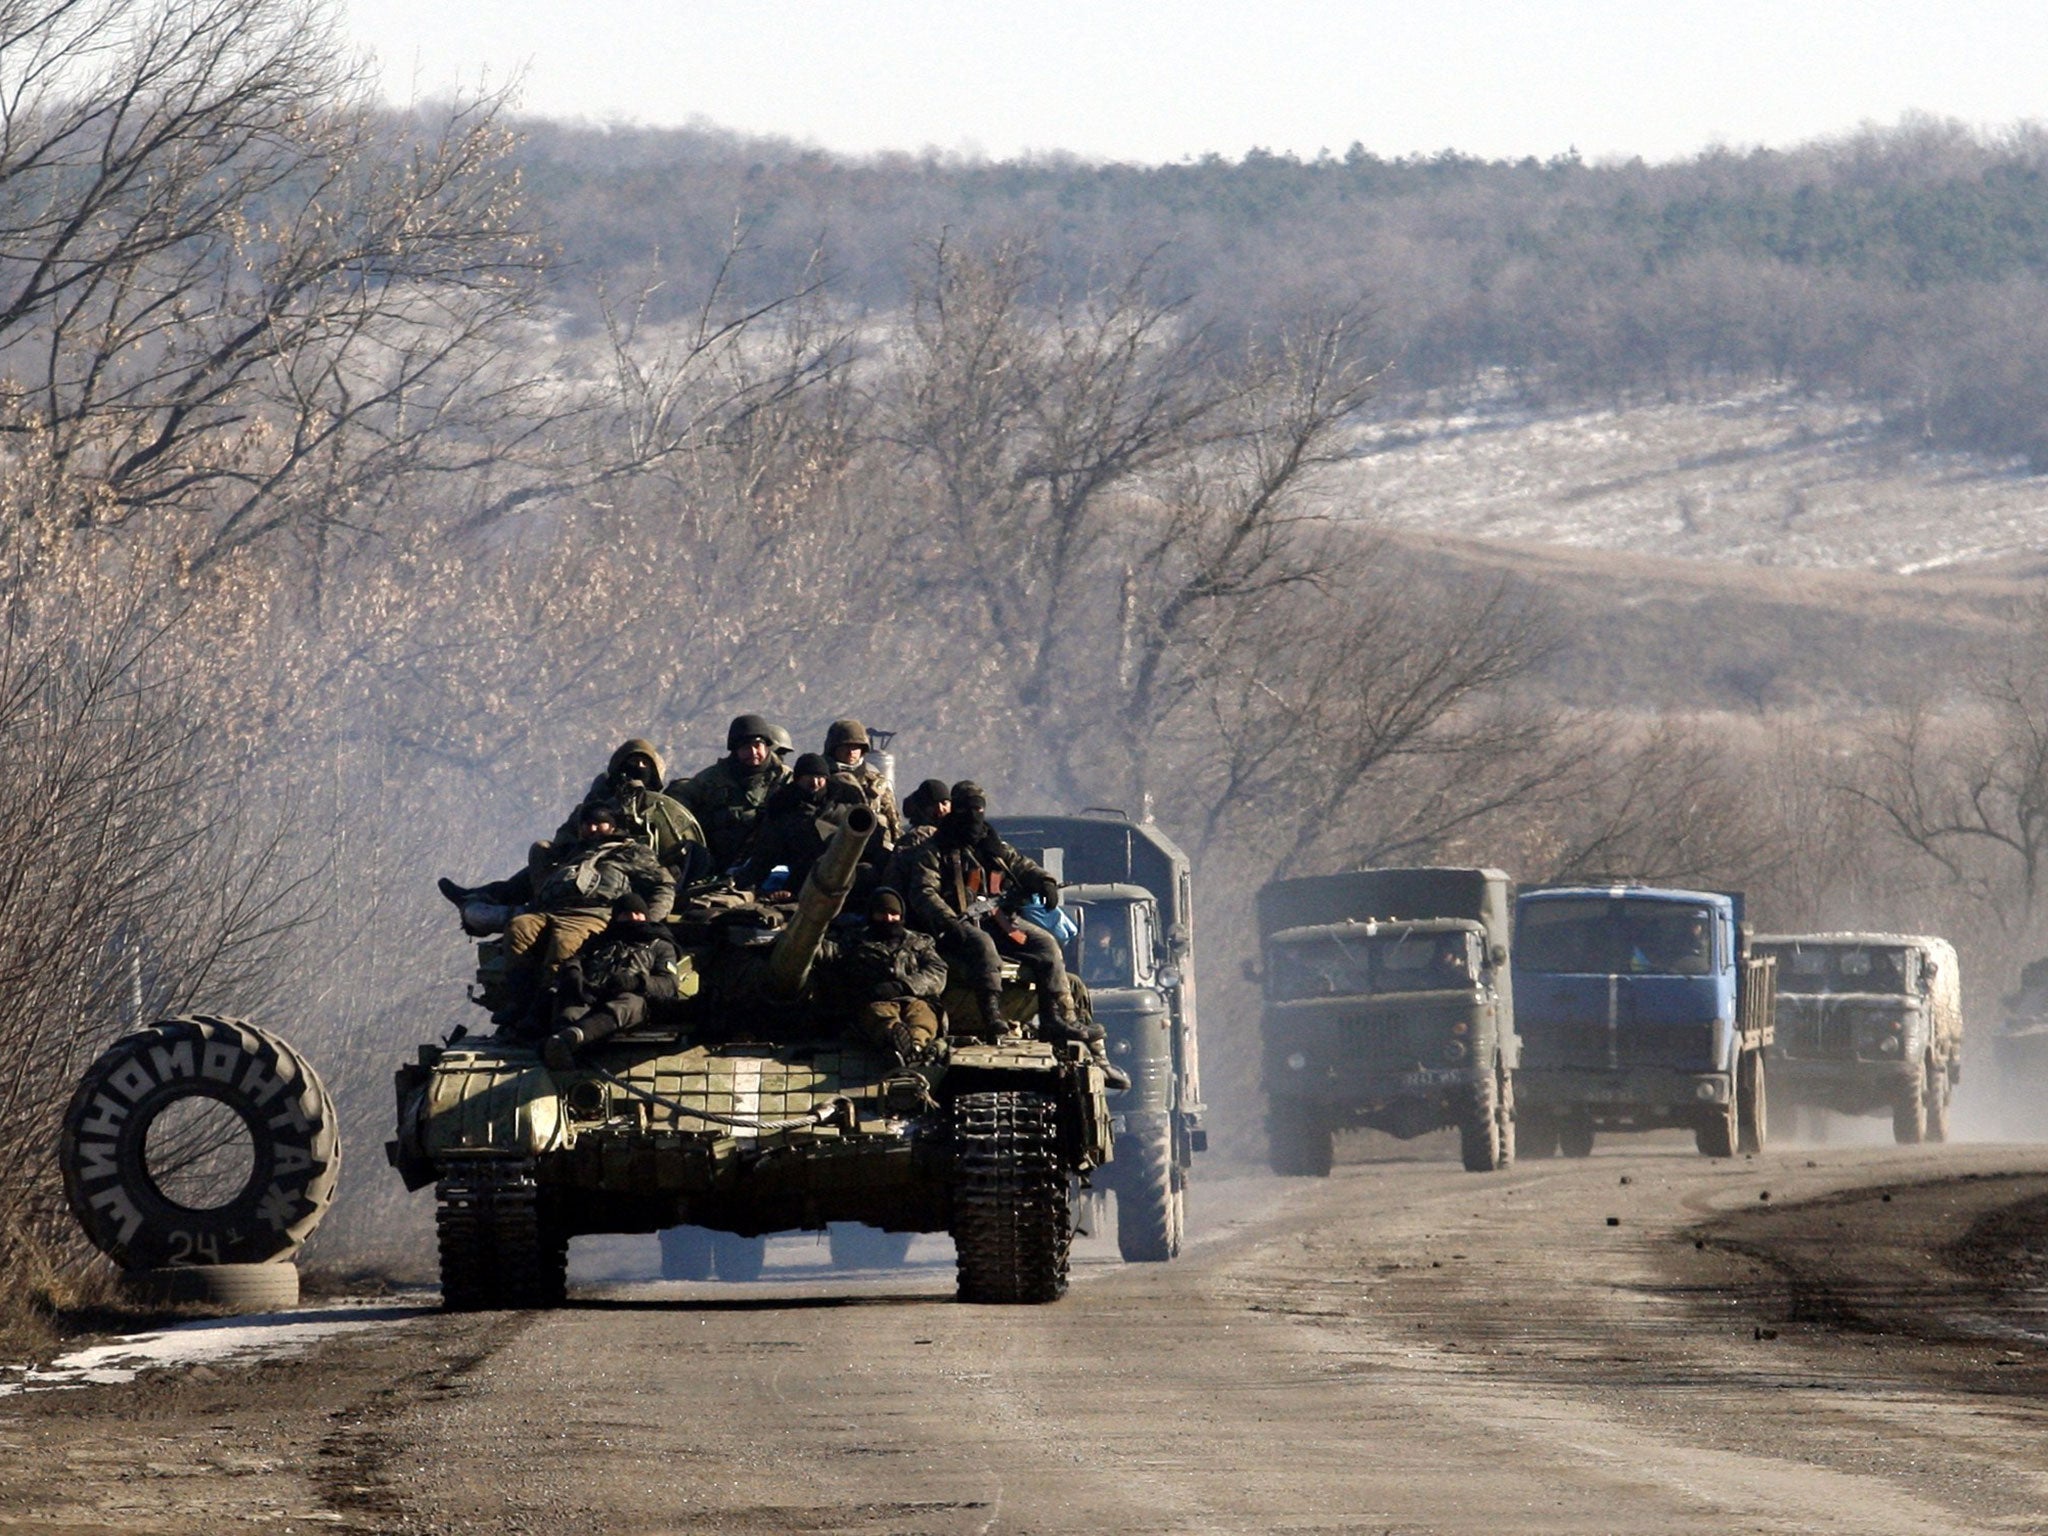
column 1869, row 1023
column 1389, row 1005
column 1640, row 1008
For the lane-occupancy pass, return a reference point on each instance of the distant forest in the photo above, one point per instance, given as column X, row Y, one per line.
column 1907, row 266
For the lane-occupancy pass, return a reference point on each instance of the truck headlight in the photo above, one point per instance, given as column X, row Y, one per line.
column 1297, row 1061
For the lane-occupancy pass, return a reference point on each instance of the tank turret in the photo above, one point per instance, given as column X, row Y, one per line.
column 824, row 893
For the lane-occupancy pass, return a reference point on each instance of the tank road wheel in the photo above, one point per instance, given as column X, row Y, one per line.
column 1575, row 1135
column 855, row 1245
column 1938, row 1093
column 685, row 1254
column 1010, row 1198
column 1909, row 1112
column 1752, row 1107
column 1150, row 1202
column 199, row 1141
column 1299, row 1142
column 499, row 1247
column 1479, row 1131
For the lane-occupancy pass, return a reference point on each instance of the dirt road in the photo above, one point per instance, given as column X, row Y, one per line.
column 1404, row 1347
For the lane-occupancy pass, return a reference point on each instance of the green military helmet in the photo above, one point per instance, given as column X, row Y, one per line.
column 780, row 741
column 746, row 728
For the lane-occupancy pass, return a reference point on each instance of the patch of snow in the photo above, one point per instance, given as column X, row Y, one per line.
column 210, row 1341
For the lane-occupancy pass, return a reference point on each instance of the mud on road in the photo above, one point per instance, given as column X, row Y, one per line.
column 1637, row 1341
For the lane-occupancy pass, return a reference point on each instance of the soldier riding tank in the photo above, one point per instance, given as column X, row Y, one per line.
column 739, row 1109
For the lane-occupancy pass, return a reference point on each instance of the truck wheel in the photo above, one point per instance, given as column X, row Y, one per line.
column 856, row 1245
column 1504, row 1112
column 499, row 1247
column 738, row 1258
column 1479, row 1131
column 1937, row 1095
column 1575, row 1135
column 1717, row 1134
column 1752, row 1108
column 1538, row 1134
column 199, row 1140
column 1909, row 1113
column 685, row 1254
column 1011, row 1226
column 1150, row 1203
column 1299, row 1142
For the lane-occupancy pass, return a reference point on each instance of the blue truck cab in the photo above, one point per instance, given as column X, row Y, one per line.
column 1639, row 1009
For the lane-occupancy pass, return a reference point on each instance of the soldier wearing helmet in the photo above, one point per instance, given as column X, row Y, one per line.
column 727, row 798
column 632, row 782
column 846, row 749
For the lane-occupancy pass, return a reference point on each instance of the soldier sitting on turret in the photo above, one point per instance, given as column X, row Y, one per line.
column 607, row 984
column 888, row 980
column 728, row 797
column 632, row 782
column 959, row 883
column 846, row 749
column 798, row 820
column 573, row 902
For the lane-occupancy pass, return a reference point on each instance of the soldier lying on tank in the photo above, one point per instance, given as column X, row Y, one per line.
column 846, row 749
column 958, row 882
column 572, row 903
column 886, row 979
column 607, row 984
column 632, row 781
column 728, row 797
column 798, row 821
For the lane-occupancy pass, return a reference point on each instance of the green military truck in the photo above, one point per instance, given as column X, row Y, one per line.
column 1389, row 1006
column 1130, row 892
column 743, row 1110
column 1869, row 1023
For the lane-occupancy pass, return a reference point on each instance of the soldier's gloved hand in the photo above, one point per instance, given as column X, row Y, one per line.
column 559, row 1049
column 964, row 929
column 1049, row 891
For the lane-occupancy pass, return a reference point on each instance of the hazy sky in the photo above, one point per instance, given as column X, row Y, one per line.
column 1141, row 80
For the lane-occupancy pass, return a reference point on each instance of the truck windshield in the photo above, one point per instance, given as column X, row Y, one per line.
column 1843, row 968
column 1103, row 952
column 1602, row 936
column 1334, row 965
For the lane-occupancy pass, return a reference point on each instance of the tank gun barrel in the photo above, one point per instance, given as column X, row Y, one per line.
column 825, row 891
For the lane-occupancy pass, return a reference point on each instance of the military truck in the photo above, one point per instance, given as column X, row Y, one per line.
column 1869, row 1023
column 2019, row 1054
column 1640, row 1009
column 1388, row 1005
column 1130, row 892
column 742, row 1110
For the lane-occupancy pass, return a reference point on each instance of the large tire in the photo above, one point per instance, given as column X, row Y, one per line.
column 1150, row 1201
column 685, row 1254
column 857, row 1246
column 1909, row 1113
column 1299, row 1141
column 738, row 1258
column 1504, row 1112
column 1011, row 1226
column 225, row 1094
column 272, row 1287
column 1575, row 1135
column 1940, row 1092
column 1752, row 1104
column 1479, row 1130
column 1717, row 1134
column 500, row 1248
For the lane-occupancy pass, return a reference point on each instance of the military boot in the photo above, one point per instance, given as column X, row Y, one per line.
column 1114, row 1077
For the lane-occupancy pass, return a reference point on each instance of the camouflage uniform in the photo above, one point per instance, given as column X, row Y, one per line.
column 793, row 831
column 658, row 819
column 864, row 776
column 888, row 985
column 573, row 903
column 607, row 984
column 728, row 797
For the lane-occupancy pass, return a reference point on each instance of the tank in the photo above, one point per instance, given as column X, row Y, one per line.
column 742, row 1109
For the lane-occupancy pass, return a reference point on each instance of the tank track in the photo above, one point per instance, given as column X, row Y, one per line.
column 1012, row 1225
column 498, row 1247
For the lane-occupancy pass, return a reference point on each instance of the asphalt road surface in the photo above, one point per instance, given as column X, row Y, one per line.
column 1831, row 1340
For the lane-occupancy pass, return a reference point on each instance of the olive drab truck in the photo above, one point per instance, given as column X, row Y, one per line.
column 1869, row 1024
column 741, row 1109
column 2019, row 1054
column 1640, row 1009
column 1389, row 1006
column 1130, row 892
